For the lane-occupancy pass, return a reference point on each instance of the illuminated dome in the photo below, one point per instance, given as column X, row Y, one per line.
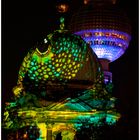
column 104, row 26
column 60, row 88
column 61, row 61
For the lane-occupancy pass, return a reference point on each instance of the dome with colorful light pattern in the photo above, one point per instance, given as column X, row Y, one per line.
column 62, row 61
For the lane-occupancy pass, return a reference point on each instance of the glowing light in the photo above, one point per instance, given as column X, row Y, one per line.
column 62, row 8
column 25, row 136
column 110, row 119
column 107, row 44
column 17, row 90
column 86, row 1
column 45, row 40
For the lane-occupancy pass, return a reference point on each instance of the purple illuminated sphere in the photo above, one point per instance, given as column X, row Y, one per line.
column 105, row 27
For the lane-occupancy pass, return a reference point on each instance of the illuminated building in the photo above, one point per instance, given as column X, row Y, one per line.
column 105, row 27
column 60, row 89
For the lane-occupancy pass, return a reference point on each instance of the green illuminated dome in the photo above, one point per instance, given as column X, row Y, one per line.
column 62, row 61
column 60, row 88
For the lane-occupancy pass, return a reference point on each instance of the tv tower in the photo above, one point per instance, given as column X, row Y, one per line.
column 106, row 28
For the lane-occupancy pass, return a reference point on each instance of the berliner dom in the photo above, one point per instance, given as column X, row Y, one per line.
column 60, row 90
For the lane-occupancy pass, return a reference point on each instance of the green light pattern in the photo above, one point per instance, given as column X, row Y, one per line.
column 63, row 59
column 67, row 58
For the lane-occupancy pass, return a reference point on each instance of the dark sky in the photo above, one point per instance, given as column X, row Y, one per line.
column 26, row 22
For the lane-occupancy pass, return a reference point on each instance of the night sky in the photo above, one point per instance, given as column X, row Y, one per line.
column 26, row 22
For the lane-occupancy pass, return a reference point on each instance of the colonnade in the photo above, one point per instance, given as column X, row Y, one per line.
column 50, row 131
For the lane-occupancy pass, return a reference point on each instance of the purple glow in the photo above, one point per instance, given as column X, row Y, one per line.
column 107, row 77
column 107, row 44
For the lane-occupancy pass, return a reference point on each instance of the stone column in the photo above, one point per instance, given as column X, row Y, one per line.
column 49, row 131
column 49, row 134
column 43, row 131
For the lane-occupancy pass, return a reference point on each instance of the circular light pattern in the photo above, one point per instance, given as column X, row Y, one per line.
column 58, row 63
column 67, row 55
column 107, row 44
